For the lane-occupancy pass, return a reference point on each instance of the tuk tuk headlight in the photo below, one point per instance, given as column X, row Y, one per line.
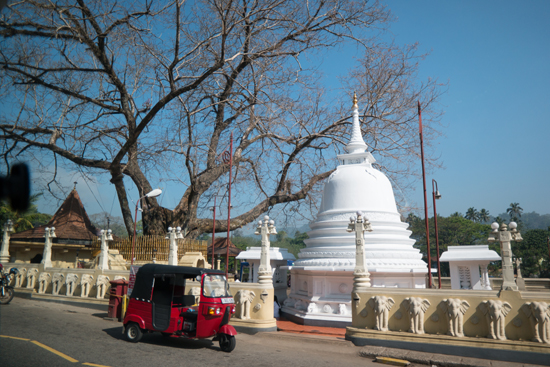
column 232, row 309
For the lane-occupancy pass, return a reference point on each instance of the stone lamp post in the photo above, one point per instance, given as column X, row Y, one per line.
column 174, row 234
column 504, row 236
column 49, row 233
column 265, row 228
column 103, row 262
column 361, row 276
column 4, row 252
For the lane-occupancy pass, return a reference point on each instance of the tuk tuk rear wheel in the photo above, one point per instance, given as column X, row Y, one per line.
column 227, row 343
column 133, row 332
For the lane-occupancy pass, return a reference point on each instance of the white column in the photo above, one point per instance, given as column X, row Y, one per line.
column 49, row 233
column 174, row 234
column 4, row 252
column 485, row 283
column 265, row 228
column 361, row 276
column 103, row 262
column 504, row 237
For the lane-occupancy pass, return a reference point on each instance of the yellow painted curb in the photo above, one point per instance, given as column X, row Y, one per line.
column 94, row 365
column 70, row 359
column 392, row 361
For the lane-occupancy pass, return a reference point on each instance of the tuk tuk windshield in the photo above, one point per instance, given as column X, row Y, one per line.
column 215, row 285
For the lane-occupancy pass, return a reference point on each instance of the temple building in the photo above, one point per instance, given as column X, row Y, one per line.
column 322, row 277
column 74, row 233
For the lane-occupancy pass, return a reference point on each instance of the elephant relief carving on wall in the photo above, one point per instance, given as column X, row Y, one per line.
column 20, row 277
column 455, row 309
column 70, row 283
column 416, row 307
column 43, row 282
column 31, row 277
column 495, row 311
column 381, row 306
column 85, row 284
column 539, row 318
column 57, row 283
column 244, row 298
column 102, row 285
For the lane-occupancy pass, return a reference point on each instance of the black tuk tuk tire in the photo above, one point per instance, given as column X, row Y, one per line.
column 227, row 342
column 8, row 296
column 133, row 332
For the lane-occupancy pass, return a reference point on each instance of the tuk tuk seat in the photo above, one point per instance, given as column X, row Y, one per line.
column 187, row 300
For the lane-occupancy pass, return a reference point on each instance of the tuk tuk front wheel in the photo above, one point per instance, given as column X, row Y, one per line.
column 227, row 343
column 133, row 332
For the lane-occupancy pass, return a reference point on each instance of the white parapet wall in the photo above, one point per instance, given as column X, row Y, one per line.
column 444, row 321
column 89, row 285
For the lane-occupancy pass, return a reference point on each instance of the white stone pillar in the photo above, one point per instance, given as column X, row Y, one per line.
column 4, row 252
column 361, row 276
column 504, row 237
column 485, row 282
column 49, row 233
column 265, row 228
column 103, row 262
column 174, row 234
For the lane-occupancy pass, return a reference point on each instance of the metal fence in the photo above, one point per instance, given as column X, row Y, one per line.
column 148, row 247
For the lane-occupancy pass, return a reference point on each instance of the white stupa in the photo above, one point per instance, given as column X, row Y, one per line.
column 322, row 277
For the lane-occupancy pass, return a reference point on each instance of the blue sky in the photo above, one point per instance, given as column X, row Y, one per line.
column 495, row 55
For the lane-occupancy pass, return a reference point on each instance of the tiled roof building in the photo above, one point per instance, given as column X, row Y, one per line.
column 71, row 223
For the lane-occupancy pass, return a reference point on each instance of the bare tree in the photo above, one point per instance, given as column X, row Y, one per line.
column 154, row 90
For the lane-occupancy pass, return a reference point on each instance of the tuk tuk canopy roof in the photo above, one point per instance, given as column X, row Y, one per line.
column 146, row 273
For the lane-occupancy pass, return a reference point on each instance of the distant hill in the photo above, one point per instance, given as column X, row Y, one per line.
column 531, row 220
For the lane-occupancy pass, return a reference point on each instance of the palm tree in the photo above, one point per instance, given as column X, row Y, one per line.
column 472, row 214
column 514, row 211
column 484, row 216
column 456, row 215
column 499, row 220
column 24, row 220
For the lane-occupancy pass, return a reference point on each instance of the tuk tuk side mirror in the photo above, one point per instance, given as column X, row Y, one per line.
column 198, row 278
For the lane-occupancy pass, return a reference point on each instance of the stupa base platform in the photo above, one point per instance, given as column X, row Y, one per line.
column 310, row 320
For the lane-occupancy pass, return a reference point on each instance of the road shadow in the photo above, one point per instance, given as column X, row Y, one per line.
column 157, row 338
column 101, row 315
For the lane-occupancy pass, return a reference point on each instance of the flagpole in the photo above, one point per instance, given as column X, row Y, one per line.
column 229, row 208
column 425, row 197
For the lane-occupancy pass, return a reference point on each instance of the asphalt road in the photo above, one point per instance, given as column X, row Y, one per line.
column 80, row 336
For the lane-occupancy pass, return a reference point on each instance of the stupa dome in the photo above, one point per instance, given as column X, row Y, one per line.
column 322, row 277
column 357, row 187
column 354, row 186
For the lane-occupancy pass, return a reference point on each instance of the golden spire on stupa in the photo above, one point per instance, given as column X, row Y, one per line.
column 354, row 100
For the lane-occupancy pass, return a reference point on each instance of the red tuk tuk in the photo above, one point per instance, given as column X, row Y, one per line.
column 158, row 302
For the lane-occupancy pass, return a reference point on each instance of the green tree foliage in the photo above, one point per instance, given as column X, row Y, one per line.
column 242, row 241
column 484, row 216
column 533, row 252
column 472, row 214
column 105, row 221
column 24, row 220
column 293, row 245
column 514, row 211
column 452, row 231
